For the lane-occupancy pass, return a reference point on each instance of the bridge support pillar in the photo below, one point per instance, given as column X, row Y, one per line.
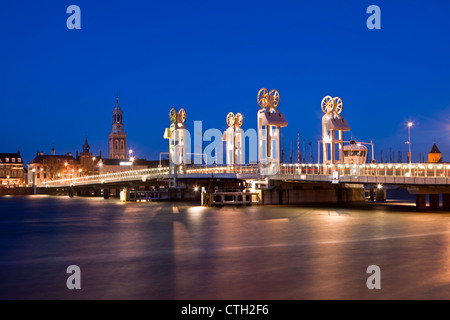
column 446, row 201
column 434, row 201
column 421, row 201
column 106, row 193
column 372, row 194
column 381, row 194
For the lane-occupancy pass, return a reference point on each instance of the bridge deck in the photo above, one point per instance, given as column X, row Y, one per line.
column 389, row 174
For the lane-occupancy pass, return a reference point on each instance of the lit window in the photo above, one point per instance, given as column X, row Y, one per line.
column 13, row 159
column 6, row 159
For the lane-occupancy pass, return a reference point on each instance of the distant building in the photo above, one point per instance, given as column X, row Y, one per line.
column 86, row 160
column 12, row 171
column 434, row 155
column 117, row 137
column 47, row 167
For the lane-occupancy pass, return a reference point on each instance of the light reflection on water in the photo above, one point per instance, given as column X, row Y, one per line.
column 162, row 250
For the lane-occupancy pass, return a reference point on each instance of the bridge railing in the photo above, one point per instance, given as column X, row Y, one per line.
column 438, row 170
column 150, row 173
column 130, row 175
column 235, row 169
column 425, row 170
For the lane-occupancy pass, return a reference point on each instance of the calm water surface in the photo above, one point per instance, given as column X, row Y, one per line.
column 180, row 251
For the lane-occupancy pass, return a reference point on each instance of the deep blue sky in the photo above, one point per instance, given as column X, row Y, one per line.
column 212, row 57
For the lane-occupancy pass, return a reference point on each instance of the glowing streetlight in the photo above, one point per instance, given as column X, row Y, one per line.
column 409, row 140
column 65, row 165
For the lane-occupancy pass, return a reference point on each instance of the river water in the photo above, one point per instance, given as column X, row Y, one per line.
column 164, row 250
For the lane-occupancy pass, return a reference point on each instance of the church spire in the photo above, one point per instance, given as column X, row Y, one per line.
column 86, row 146
column 117, row 137
column 117, row 113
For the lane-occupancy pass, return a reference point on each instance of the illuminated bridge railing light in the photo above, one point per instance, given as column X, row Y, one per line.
column 292, row 170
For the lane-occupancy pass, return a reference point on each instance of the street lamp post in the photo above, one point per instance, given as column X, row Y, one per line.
column 132, row 162
column 34, row 180
column 93, row 166
column 409, row 145
column 409, row 140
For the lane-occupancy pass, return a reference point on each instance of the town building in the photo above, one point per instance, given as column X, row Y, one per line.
column 87, row 162
column 47, row 167
column 12, row 170
column 434, row 156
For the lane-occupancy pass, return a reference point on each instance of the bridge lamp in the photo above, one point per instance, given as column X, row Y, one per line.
column 410, row 124
column 195, row 188
column 93, row 165
column 379, row 186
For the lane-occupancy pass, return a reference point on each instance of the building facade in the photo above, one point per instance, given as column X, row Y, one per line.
column 117, row 137
column 435, row 154
column 12, row 171
column 86, row 160
column 47, row 167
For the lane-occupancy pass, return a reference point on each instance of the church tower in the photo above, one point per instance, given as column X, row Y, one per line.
column 117, row 137
column 86, row 162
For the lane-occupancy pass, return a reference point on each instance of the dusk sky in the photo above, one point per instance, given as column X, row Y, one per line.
column 212, row 57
